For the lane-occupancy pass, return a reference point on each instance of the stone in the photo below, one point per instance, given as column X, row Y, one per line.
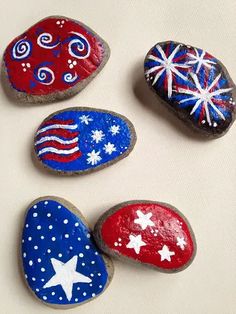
column 152, row 233
column 61, row 263
column 80, row 140
column 54, row 59
column 194, row 84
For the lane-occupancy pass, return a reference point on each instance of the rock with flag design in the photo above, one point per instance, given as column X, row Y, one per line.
column 61, row 263
column 196, row 86
column 81, row 140
column 152, row 233
column 53, row 59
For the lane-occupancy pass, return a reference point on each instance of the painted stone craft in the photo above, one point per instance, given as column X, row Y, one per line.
column 81, row 140
column 53, row 59
column 61, row 263
column 195, row 85
column 152, row 233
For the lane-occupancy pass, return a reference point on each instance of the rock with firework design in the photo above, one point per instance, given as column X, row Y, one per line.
column 61, row 263
column 82, row 140
column 53, row 59
column 152, row 233
column 195, row 85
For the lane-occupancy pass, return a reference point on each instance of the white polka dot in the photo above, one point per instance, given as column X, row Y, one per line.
column 24, row 254
column 37, row 290
column 76, row 224
column 49, row 214
column 39, row 227
column 74, row 62
column 66, row 235
column 87, row 247
column 28, row 65
column 35, row 214
column 49, row 251
column 57, row 22
column 30, row 263
column 99, row 274
column 23, row 241
column 71, row 66
column 71, row 247
column 24, row 70
column 42, row 279
column 42, row 237
column 39, row 260
column 93, row 262
column 59, row 207
column 53, row 239
column 60, row 298
column 43, row 269
column 79, row 239
column 35, row 206
column 90, row 284
column 96, row 253
column 50, row 227
column 53, row 293
column 76, row 300
column 60, row 255
column 69, row 61
column 45, row 203
column 27, row 226
column 29, row 238
column 65, row 221
column 84, row 294
column 78, row 288
column 93, row 295
column 100, row 286
column 26, row 276
column 34, row 279
column 81, row 255
column 83, row 264
column 62, row 22
column 36, row 247
column 92, row 275
column 88, row 235
column 44, row 297
column 116, row 244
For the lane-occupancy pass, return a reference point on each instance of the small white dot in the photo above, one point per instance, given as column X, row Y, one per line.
column 23, row 241
column 53, row 293
column 76, row 224
column 74, row 62
column 35, row 214
column 44, row 297
column 59, row 207
column 49, row 214
column 39, row 260
column 93, row 262
column 28, row 65
column 50, row 227
column 83, row 264
column 36, row 247
column 23, row 64
column 70, row 66
column 116, row 244
column 78, row 288
column 42, row 237
column 57, row 22
column 60, row 298
column 69, row 61
column 35, row 206
column 92, row 275
column 99, row 274
column 81, row 255
column 87, row 247
column 34, row 279
column 79, row 239
column 37, row 290
column 24, row 254
column 26, row 276
column 43, row 269
column 119, row 239
column 45, row 203
column 26, row 226
column 90, row 284
column 42, row 279
column 53, row 239
column 84, row 294
column 66, row 235
column 76, row 300
column 49, row 251
column 93, row 295
column 96, row 253
column 100, row 286
column 29, row 238
column 65, row 221
column 88, row 235
column 62, row 22
column 39, row 227
column 71, row 247
column 30, row 263
column 60, row 255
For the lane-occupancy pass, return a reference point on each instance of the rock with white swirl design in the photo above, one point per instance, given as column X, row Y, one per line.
column 54, row 59
column 195, row 85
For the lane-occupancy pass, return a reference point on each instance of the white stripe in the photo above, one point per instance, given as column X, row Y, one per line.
column 58, row 126
column 58, row 151
column 57, row 139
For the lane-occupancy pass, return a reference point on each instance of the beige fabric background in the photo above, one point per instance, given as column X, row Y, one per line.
column 168, row 163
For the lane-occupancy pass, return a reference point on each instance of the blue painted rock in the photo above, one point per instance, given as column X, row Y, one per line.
column 152, row 233
column 53, row 59
column 61, row 263
column 194, row 84
column 80, row 140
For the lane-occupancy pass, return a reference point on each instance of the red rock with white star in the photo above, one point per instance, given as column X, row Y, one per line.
column 152, row 233
column 54, row 59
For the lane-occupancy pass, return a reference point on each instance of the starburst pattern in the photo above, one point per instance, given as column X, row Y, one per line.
column 97, row 135
column 165, row 67
column 201, row 58
column 206, row 97
column 93, row 158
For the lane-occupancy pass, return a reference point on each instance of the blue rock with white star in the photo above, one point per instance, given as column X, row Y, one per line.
column 81, row 140
column 195, row 85
column 61, row 263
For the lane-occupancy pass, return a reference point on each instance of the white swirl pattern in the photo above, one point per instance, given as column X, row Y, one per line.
column 21, row 49
column 79, row 47
column 45, row 76
column 45, row 40
column 69, row 78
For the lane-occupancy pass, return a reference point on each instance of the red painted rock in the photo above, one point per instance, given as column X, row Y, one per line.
column 152, row 233
column 53, row 59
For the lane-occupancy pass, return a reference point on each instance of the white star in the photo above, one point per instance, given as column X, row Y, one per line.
column 66, row 275
column 166, row 253
column 85, row 119
column 204, row 96
column 114, row 129
column 94, row 157
column 97, row 136
column 109, row 148
column 135, row 243
column 144, row 220
column 200, row 60
column 166, row 64
column 181, row 243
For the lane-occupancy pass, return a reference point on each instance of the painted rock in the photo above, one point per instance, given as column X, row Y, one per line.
column 155, row 234
column 81, row 140
column 61, row 264
column 54, row 59
column 195, row 85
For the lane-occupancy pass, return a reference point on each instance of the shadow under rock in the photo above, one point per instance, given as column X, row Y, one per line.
column 153, row 103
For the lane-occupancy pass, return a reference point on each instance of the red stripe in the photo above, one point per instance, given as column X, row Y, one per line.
column 67, row 134
column 60, row 158
column 56, row 145
column 55, row 121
